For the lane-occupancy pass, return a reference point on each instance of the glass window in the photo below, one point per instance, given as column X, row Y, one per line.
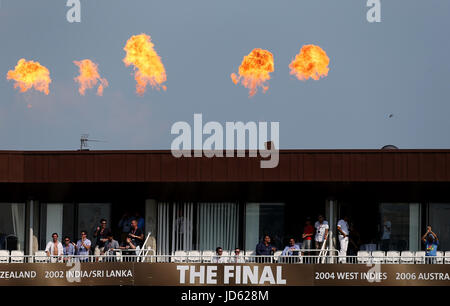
column 262, row 219
column 12, row 226
column 89, row 216
column 400, row 226
column 439, row 219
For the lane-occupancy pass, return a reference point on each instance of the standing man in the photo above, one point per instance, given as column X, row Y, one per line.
column 101, row 234
column 431, row 243
column 68, row 249
column 83, row 247
column 321, row 227
column 308, row 232
column 125, row 226
column 386, row 235
column 54, row 248
column 265, row 248
column 343, row 232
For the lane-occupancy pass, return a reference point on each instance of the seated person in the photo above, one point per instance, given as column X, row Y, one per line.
column 218, row 257
column 291, row 248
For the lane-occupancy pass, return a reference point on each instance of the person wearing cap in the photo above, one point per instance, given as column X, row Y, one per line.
column 431, row 243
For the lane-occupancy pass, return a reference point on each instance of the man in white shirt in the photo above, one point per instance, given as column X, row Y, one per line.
column 321, row 227
column 237, row 258
column 54, row 248
column 218, row 258
column 343, row 232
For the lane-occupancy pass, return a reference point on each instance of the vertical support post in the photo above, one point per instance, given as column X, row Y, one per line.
column 331, row 215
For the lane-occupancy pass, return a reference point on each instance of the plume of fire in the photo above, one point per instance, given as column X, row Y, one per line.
column 29, row 74
column 255, row 70
column 311, row 62
column 147, row 63
column 89, row 77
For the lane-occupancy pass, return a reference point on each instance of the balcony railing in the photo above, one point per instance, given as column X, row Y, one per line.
column 208, row 257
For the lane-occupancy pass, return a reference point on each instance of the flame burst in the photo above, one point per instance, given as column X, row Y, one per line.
column 255, row 70
column 29, row 74
column 89, row 77
column 147, row 63
column 311, row 62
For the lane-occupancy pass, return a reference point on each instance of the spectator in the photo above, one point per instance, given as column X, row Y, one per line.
column 68, row 249
column 265, row 248
column 83, row 247
column 110, row 246
column 321, row 232
column 136, row 235
column 354, row 241
column 140, row 221
column 431, row 243
column 54, row 248
column 125, row 226
column 308, row 232
column 101, row 234
column 237, row 258
column 291, row 248
column 386, row 235
column 218, row 257
column 343, row 232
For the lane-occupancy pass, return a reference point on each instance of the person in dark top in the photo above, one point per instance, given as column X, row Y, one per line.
column 101, row 235
column 136, row 235
column 265, row 248
column 354, row 241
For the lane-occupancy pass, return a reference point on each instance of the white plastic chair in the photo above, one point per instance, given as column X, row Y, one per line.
column 447, row 257
column 363, row 257
column 226, row 253
column 179, row 256
column 249, row 255
column 392, row 257
column 276, row 255
column 4, row 256
column 439, row 257
column 378, row 257
column 194, row 256
column 420, row 257
column 17, row 256
column 407, row 257
column 40, row 257
column 207, row 256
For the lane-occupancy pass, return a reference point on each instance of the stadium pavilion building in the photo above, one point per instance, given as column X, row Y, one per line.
column 202, row 203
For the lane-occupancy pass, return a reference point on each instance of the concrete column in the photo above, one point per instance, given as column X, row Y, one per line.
column 331, row 215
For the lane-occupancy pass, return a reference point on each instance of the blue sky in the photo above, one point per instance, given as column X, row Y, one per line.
column 398, row 66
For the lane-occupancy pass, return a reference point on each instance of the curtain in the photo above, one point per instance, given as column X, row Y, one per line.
column 18, row 219
column 182, row 226
column 217, row 225
column 162, row 241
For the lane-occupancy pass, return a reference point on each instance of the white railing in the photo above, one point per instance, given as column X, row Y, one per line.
column 301, row 258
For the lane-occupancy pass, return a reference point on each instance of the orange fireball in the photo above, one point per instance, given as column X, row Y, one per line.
column 89, row 77
column 29, row 74
column 312, row 62
column 147, row 63
column 255, row 70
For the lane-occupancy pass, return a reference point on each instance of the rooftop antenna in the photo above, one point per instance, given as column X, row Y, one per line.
column 84, row 141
